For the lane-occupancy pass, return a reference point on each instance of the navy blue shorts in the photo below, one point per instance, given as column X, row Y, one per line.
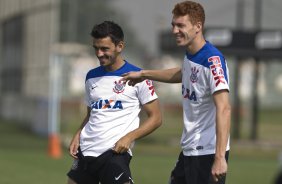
column 108, row 168
column 194, row 170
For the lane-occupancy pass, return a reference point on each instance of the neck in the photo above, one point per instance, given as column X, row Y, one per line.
column 196, row 45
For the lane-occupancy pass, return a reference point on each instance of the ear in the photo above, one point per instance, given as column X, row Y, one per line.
column 120, row 46
column 199, row 27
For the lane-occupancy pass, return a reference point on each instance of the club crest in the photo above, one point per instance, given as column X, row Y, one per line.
column 193, row 76
column 119, row 86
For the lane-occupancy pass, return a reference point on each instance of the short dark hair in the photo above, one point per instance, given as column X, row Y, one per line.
column 195, row 11
column 108, row 28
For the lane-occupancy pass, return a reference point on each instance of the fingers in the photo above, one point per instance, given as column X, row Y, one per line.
column 217, row 177
column 132, row 78
column 125, row 74
column 219, row 169
column 131, row 83
column 74, row 155
column 214, row 178
column 120, row 148
column 125, row 77
column 73, row 151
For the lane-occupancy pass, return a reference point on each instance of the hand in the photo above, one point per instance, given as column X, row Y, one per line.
column 132, row 78
column 219, row 169
column 122, row 145
column 73, row 148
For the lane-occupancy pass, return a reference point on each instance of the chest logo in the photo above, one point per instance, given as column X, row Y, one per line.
column 193, row 76
column 119, row 86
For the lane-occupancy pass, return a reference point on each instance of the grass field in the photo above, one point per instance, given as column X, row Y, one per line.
column 24, row 159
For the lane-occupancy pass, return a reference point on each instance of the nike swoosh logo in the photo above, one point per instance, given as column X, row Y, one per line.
column 117, row 178
column 94, row 86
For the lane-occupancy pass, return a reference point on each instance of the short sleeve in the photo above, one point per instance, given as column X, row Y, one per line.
column 146, row 92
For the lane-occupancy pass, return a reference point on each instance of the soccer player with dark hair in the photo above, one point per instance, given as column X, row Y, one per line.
column 102, row 146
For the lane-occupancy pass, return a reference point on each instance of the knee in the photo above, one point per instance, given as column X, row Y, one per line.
column 70, row 181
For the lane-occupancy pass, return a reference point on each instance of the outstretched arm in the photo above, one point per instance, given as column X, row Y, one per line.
column 153, row 121
column 75, row 140
column 223, row 114
column 172, row 75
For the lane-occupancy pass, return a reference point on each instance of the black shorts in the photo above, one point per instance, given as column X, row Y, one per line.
column 194, row 170
column 108, row 168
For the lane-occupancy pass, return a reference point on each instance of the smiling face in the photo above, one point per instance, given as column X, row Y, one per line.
column 184, row 31
column 108, row 53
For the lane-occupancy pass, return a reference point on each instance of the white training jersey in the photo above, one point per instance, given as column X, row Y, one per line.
column 202, row 74
column 115, row 107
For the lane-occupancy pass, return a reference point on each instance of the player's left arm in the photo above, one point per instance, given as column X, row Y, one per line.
column 223, row 117
column 153, row 121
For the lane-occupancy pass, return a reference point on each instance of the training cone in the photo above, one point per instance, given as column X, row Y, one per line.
column 54, row 146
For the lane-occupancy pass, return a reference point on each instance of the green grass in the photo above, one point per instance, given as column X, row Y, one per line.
column 24, row 158
column 251, row 170
column 31, row 166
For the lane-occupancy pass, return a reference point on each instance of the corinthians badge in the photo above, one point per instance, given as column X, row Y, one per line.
column 119, row 86
column 193, row 76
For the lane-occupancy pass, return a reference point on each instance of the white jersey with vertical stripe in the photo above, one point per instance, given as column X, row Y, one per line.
column 203, row 74
column 115, row 108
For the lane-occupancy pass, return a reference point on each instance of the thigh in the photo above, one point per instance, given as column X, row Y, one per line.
column 116, row 170
column 178, row 173
column 198, row 169
column 79, row 174
column 70, row 181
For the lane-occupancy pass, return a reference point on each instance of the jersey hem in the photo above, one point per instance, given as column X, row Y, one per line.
column 96, row 154
column 199, row 153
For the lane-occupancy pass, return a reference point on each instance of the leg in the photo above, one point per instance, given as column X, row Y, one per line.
column 70, row 181
column 79, row 173
column 116, row 170
column 198, row 169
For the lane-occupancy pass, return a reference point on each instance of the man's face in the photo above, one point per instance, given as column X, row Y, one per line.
column 106, row 51
column 183, row 30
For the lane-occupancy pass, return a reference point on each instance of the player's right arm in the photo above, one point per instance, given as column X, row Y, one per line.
column 173, row 75
column 75, row 140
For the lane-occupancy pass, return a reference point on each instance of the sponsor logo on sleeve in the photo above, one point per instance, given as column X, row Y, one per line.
column 216, row 69
column 151, row 86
